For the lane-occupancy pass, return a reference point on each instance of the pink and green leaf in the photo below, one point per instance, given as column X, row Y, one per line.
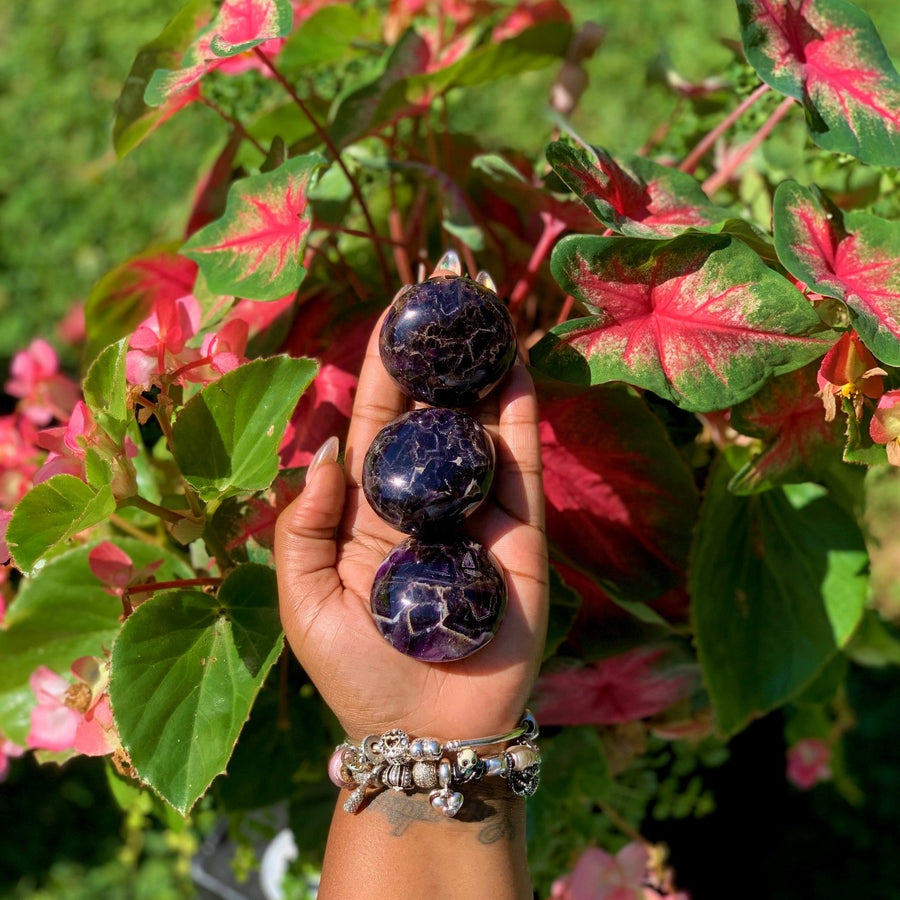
column 137, row 117
column 239, row 26
column 789, row 419
column 827, row 54
column 699, row 320
column 635, row 196
column 255, row 249
column 621, row 503
column 854, row 257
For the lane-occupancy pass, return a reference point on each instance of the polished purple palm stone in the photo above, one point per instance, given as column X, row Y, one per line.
column 439, row 601
column 429, row 468
column 447, row 341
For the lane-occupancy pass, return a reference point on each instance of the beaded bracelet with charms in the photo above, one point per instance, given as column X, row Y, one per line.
column 396, row 761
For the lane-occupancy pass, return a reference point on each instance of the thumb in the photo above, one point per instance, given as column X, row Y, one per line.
column 305, row 545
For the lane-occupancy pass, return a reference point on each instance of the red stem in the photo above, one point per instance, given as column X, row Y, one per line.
column 235, row 124
column 553, row 228
column 723, row 175
column 165, row 585
column 325, row 137
column 693, row 158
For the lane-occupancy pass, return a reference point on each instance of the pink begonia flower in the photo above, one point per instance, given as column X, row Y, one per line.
column 632, row 874
column 848, row 369
column 114, row 567
column 618, row 689
column 220, row 352
column 19, row 458
column 68, row 446
column 159, row 343
column 44, row 393
column 73, row 716
column 885, row 425
column 8, row 751
column 808, row 763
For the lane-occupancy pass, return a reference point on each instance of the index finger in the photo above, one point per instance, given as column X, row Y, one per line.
column 379, row 401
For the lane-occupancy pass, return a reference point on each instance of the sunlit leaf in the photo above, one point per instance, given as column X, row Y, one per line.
column 854, row 257
column 635, row 196
column 186, row 668
column 699, row 320
column 827, row 54
column 255, row 249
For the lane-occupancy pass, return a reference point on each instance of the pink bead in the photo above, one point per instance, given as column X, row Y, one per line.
column 334, row 771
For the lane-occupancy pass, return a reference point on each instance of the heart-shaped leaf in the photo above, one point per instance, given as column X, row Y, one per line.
column 854, row 257
column 699, row 320
column 255, row 249
column 60, row 614
column 227, row 436
column 635, row 196
column 239, row 25
column 186, row 668
column 779, row 583
column 51, row 513
column 827, row 54
column 105, row 391
column 620, row 503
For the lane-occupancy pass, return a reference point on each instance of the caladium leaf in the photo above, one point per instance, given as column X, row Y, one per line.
column 620, row 502
column 185, row 670
column 827, row 54
column 779, row 583
column 135, row 118
column 788, row 416
column 699, row 320
column 635, row 196
column 239, row 26
column 854, row 257
column 255, row 249
column 125, row 296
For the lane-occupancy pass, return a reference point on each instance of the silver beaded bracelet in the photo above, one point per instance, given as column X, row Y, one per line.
column 394, row 760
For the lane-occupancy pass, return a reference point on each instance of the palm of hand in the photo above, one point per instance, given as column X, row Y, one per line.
column 369, row 685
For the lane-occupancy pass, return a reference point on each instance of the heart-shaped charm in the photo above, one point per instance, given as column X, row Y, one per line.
column 446, row 802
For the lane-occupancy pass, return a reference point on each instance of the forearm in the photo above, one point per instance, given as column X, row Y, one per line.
column 398, row 845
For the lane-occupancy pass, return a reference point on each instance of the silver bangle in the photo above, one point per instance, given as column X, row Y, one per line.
column 394, row 760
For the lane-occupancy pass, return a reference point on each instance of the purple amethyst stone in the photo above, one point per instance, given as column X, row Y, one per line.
column 439, row 601
column 448, row 341
column 428, row 468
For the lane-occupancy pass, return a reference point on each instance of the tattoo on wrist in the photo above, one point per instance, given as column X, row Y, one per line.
column 495, row 813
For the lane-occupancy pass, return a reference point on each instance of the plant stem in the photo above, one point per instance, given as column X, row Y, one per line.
column 178, row 583
column 625, row 827
column 128, row 528
column 161, row 512
column 723, row 175
column 690, row 162
column 325, row 137
column 553, row 228
column 235, row 124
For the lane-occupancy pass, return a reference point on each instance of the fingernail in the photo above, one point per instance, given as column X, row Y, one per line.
column 327, row 452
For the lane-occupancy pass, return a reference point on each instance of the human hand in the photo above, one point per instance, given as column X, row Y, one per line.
column 329, row 543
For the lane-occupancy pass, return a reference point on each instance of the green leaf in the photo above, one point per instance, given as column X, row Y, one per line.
column 227, row 436
column 564, row 605
column 327, row 36
column 699, row 320
column 186, row 668
column 255, row 250
column 60, row 614
column 779, row 583
column 134, row 118
column 51, row 513
column 105, row 391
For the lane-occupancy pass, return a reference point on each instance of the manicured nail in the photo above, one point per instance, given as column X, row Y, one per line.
column 328, row 451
